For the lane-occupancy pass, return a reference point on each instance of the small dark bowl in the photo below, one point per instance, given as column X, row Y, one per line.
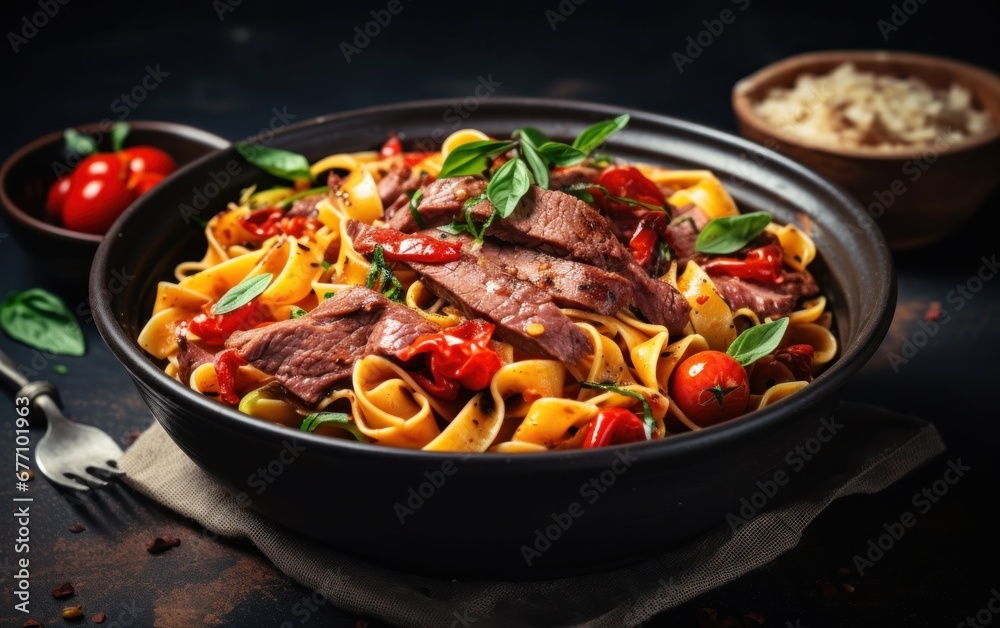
column 454, row 514
column 28, row 174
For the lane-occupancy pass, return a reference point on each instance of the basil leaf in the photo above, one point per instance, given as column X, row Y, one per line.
column 414, row 202
column 455, row 227
column 119, row 131
column 539, row 169
column 41, row 320
column 593, row 136
column 647, row 412
column 79, row 143
column 297, row 312
column 472, row 158
column 580, row 193
column 339, row 419
column 731, row 233
column 531, row 135
column 280, row 163
column 379, row 274
column 242, row 293
column 508, row 185
column 758, row 341
column 561, row 154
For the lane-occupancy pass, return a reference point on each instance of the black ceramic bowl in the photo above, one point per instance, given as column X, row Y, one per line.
column 27, row 175
column 475, row 515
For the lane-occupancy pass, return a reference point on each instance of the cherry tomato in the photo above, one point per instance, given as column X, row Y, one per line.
column 391, row 147
column 148, row 159
column 142, row 182
column 628, row 182
column 458, row 355
column 57, row 196
column 614, row 426
column 93, row 204
column 710, row 387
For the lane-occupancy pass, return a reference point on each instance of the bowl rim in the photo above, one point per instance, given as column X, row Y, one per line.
column 26, row 219
column 742, row 89
column 870, row 329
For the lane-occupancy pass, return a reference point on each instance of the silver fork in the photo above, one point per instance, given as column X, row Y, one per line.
column 67, row 448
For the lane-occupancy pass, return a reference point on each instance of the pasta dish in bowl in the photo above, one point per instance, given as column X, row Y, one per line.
column 441, row 340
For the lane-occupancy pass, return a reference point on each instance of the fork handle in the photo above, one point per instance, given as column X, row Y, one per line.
column 19, row 385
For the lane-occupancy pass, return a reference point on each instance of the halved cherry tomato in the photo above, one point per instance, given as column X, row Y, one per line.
column 646, row 236
column 93, row 204
column 391, row 147
column 146, row 159
column 614, row 426
column 628, row 182
column 763, row 264
column 57, row 196
column 458, row 355
column 710, row 387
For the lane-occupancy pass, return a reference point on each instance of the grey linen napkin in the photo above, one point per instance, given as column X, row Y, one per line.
column 878, row 448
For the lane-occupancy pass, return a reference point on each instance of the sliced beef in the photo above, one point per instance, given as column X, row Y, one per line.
column 395, row 185
column 570, row 284
column 306, row 207
column 565, row 177
column 308, row 355
column 189, row 355
column 767, row 300
column 525, row 316
column 440, row 202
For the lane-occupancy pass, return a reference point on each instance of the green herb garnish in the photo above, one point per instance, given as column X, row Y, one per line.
column 339, row 419
column 78, row 142
column 415, row 197
column 297, row 312
column 473, row 158
column 41, row 320
column 119, row 131
column 242, row 293
column 731, row 233
column 757, row 341
column 382, row 279
column 281, row 163
column 647, row 412
column 508, row 185
column 593, row 136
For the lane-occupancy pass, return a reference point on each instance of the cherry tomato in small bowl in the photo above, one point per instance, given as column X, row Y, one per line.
column 146, row 159
column 710, row 387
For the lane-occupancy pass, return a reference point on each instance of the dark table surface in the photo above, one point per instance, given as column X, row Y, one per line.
column 227, row 65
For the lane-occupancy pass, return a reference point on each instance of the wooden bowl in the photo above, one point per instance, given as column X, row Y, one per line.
column 916, row 196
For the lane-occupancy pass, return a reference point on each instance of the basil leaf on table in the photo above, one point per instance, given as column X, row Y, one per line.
column 731, row 233
column 508, row 185
column 41, row 320
column 472, row 158
column 242, row 293
column 280, row 163
column 647, row 412
column 594, row 135
column 757, row 341
column 79, row 143
column 341, row 420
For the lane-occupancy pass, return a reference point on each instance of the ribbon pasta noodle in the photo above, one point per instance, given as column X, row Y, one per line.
column 298, row 238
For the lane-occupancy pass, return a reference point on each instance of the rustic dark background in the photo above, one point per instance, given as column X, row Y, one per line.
column 230, row 68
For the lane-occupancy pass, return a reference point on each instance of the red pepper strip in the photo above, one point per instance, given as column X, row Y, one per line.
column 215, row 329
column 628, row 182
column 643, row 242
column 761, row 264
column 269, row 221
column 614, row 426
column 459, row 354
column 798, row 359
column 414, row 247
column 226, row 364
column 412, row 159
column 391, row 147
